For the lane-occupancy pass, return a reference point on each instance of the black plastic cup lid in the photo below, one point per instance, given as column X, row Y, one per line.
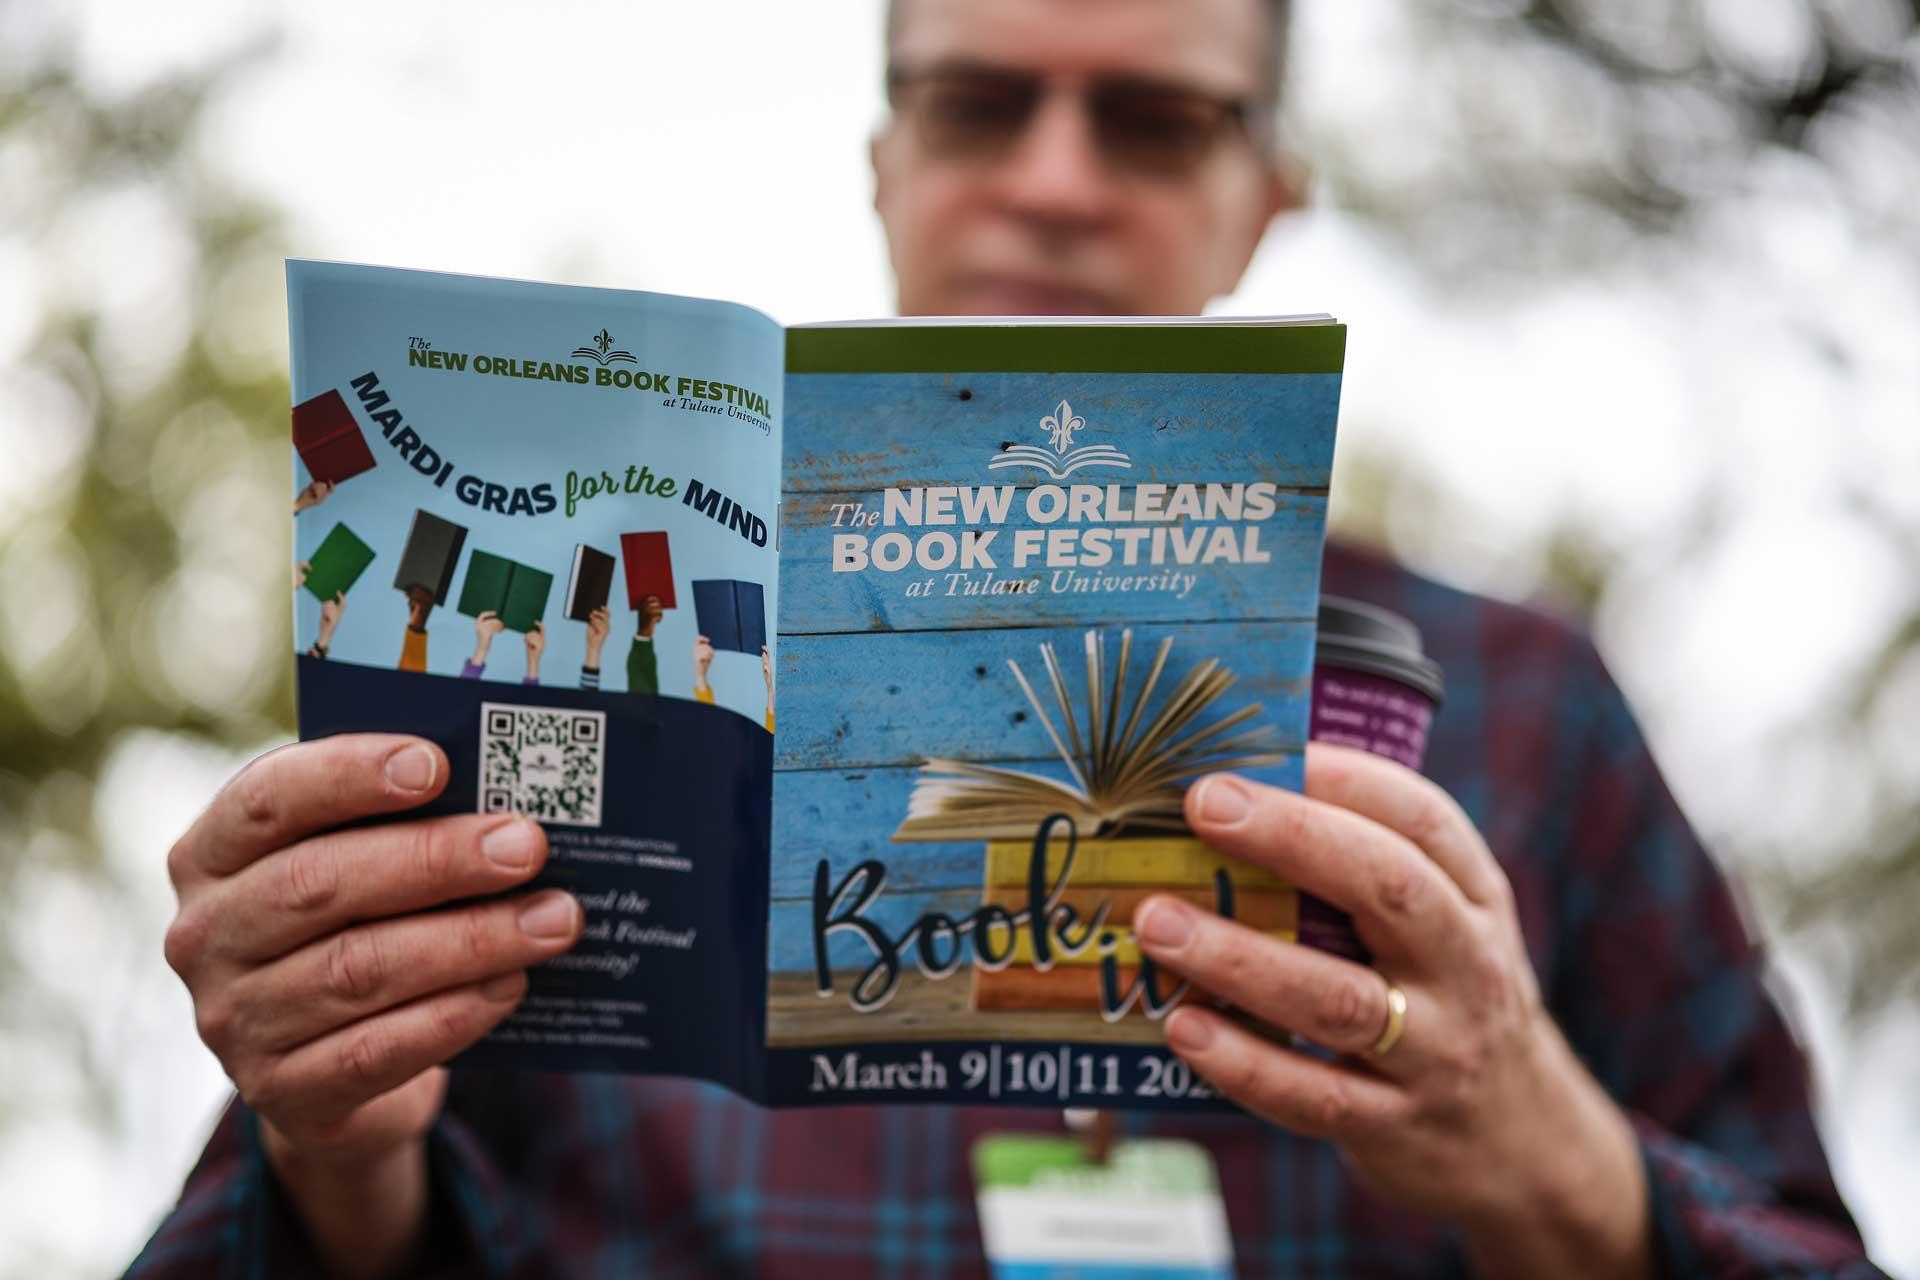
column 1365, row 637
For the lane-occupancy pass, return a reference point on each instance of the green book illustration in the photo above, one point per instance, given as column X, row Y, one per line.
column 337, row 563
column 517, row 592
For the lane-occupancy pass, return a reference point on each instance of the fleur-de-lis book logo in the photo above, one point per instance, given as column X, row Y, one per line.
column 601, row 351
column 1062, row 459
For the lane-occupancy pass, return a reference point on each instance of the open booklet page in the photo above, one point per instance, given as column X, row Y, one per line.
column 567, row 578
column 857, row 696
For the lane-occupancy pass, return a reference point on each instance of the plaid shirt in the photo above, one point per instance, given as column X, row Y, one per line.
column 1638, row 943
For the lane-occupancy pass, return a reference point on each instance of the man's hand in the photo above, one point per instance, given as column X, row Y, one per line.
column 328, row 985
column 1480, row 1114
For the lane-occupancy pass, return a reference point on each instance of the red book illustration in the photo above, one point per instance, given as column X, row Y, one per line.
column 649, row 568
column 329, row 440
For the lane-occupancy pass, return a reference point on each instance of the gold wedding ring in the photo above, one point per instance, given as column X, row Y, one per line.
column 1396, row 1022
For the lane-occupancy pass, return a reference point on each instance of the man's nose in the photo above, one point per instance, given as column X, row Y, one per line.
column 1055, row 173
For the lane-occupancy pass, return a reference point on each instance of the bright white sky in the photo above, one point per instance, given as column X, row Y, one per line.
column 720, row 149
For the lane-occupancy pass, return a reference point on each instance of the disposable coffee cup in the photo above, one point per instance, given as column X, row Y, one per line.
column 1374, row 688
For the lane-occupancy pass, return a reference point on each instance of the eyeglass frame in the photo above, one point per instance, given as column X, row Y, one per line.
column 1249, row 115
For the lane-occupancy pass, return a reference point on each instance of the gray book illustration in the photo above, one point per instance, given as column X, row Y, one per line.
column 431, row 555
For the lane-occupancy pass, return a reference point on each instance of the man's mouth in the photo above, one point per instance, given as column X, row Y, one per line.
column 1016, row 295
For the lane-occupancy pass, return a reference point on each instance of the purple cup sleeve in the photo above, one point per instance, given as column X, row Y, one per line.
column 1376, row 714
column 1372, row 712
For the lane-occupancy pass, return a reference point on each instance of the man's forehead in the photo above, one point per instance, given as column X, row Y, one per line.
column 1219, row 44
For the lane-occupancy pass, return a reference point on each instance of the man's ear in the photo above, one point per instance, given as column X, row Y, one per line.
column 1282, row 190
column 1287, row 182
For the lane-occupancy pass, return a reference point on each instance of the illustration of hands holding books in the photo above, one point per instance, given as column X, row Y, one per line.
column 488, row 624
column 330, row 611
column 413, row 645
column 649, row 615
column 703, row 661
column 420, row 603
column 485, row 627
column 766, row 673
column 425, row 573
column 329, row 573
column 643, row 669
column 599, row 626
column 312, row 496
column 536, row 645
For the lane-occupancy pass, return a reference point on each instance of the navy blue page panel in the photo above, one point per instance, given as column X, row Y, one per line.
column 671, row 979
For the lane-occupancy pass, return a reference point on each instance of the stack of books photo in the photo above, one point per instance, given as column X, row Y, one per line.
column 1119, row 874
column 1125, row 798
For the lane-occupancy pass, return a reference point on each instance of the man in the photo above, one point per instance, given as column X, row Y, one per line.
column 1564, row 1065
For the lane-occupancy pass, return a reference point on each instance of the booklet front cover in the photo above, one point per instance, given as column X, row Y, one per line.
column 855, row 672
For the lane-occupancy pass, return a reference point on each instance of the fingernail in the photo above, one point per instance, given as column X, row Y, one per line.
column 1224, row 799
column 1189, row 1031
column 512, row 845
column 412, row 768
column 1167, row 923
column 504, row 987
column 551, row 915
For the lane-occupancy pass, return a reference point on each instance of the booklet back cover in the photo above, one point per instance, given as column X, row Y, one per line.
column 521, row 430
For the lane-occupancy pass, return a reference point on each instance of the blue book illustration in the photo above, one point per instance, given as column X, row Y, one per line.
column 1008, row 617
column 732, row 615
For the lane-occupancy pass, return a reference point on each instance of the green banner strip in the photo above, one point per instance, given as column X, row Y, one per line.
column 1068, row 349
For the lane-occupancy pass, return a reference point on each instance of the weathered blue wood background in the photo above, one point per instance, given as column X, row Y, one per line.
column 871, row 682
column 880, row 699
column 816, row 599
column 849, row 432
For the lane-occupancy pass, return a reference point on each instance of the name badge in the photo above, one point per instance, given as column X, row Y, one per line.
column 1152, row 1211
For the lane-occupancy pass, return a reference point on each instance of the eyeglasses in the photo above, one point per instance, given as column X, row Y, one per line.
column 1144, row 127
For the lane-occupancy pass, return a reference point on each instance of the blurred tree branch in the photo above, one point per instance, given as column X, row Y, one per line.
column 1657, row 118
column 108, row 547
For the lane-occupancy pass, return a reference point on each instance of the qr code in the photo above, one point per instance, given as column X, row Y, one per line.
column 546, row 762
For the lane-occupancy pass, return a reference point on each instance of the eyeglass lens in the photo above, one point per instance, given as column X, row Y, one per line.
column 1138, row 127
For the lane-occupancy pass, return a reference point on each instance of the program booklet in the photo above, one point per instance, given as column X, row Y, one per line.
column 855, row 671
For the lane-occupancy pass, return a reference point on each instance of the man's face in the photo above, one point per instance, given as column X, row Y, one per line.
column 1088, row 204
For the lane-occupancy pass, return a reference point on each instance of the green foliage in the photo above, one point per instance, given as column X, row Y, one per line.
column 1571, row 136
column 143, row 481
column 1575, row 135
